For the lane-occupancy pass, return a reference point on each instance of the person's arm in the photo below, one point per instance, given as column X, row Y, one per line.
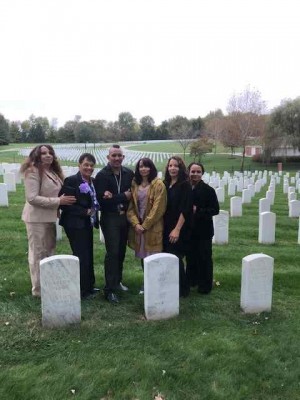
column 76, row 209
column 32, row 183
column 175, row 233
column 158, row 207
column 211, row 206
column 101, row 184
column 185, row 205
column 132, row 214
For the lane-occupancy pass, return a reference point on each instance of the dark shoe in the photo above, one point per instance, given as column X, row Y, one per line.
column 112, row 298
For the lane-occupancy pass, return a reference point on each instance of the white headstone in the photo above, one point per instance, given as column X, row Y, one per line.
column 220, row 194
column 18, row 176
column 292, row 196
column 240, row 185
column 267, row 223
column 58, row 231
column 161, row 286
column 10, row 180
column 246, row 196
column 270, row 195
column 231, row 188
column 257, row 186
column 221, row 227
column 294, row 208
column 236, row 208
column 257, row 283
column 252, row 189
column 60, row 291
column 3, row 195
column 264, row 205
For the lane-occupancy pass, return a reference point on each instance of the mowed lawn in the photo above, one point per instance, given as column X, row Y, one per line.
column 210, row 351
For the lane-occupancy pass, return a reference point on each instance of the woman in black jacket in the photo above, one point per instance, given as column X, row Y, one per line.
column 177, row 218
column 79, row 220
column 199, row 256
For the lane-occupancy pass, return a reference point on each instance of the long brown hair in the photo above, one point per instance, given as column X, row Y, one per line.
column 182, row 173
column 34, row 160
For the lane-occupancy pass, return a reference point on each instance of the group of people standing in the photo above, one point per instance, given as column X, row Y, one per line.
column 137, row 209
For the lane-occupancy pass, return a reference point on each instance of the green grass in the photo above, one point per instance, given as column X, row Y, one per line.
column 211, row 351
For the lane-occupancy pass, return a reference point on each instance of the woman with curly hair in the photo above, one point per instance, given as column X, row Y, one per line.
column 43, row 180
column 177, row 218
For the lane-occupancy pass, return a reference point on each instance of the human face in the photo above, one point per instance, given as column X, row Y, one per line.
column 173, row 169
column 195, row 174
column 86, row 169
column 115, row 158
column 46, row 157
column 144, row 171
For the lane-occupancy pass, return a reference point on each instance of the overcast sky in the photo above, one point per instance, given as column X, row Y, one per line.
column 163, row 58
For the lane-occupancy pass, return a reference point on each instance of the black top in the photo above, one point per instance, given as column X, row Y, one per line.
column 179, row 201
column 207, row 205
column 75, row 215
column 117, row 185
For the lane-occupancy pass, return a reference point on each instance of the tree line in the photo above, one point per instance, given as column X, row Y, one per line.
column 247, row 120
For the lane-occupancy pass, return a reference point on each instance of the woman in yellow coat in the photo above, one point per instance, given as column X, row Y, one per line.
column 146, row 209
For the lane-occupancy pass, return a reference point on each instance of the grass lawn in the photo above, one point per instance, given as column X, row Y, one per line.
column 211, row 351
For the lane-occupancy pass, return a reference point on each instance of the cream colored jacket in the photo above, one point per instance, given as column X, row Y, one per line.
column 41, row 196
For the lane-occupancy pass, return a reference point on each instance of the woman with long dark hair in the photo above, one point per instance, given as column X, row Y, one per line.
column 43, row 180
column 146, row 210
column 177, row 218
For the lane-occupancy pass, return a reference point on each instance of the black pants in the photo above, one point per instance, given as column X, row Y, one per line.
column 81, row 242
column 200, row 265
column 115, row 230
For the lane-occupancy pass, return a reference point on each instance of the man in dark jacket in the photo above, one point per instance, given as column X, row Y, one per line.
column 112, row 186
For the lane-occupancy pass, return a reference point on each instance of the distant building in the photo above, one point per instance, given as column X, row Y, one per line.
column 254, row 150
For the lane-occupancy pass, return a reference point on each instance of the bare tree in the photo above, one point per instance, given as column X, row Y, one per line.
column 182, row 130
column 244, row 110
column 214, row 126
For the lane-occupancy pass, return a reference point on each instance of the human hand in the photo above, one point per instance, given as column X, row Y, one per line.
column 67, row 200
column 174, row 235
column 139, row 229
column 107, row 195
column 128, row 194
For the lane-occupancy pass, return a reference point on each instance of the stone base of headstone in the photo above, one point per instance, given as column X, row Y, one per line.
column 60, row 291
column 161, row 286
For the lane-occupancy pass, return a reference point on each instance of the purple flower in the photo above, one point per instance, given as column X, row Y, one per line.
column 84, row 187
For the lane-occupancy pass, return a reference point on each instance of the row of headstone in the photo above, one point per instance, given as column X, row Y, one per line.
column 3, row 195
column 60, row 287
